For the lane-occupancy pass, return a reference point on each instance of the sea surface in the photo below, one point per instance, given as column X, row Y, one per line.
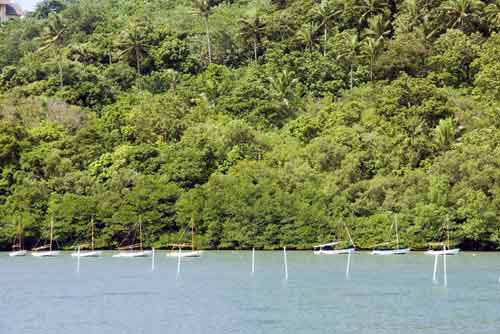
column 217, row 293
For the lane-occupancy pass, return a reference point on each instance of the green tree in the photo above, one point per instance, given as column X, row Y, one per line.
column 203, row 8
column 371, row 49
column 369, row 8
column 252, row 28
column 53, row 37
column 326, row 12
column 462, row 14
column 134, row 44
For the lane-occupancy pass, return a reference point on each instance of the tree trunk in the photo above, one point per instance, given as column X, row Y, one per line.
column 371, row 67
column 324, row 46
column 138, row 66
column 209, row 45
column 350, row 73
column 255, row 48
column 59, row 65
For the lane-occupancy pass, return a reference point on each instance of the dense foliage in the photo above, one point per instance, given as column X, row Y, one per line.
column 265, row 123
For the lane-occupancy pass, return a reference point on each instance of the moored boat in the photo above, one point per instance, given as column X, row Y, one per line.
column 329, row 248
column 22, row 252
column 134, row 250
column 92, row 252
column 17, row 247
column 453, row 251
column 40, row 251
column 397, row 251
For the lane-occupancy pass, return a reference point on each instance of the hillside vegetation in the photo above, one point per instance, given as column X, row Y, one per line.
column 263, row 122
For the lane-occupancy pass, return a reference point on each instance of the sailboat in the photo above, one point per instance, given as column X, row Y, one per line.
column 446, row 246
column 17, row 247
column 329, row 248
column 397, row 251
column 41, row 251
column 135, row 250
column 193, row 252
column 92, row 252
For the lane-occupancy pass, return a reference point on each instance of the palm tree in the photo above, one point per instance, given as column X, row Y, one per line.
column 445, row 132
column 325, row 12
column 371, row 49
column 492, row 12
column 461, row 13
column 307, row 35
column 203, row 8
column 173, row 77
column 369, row 8
column 283, row 86
column 378, row 27
column 53, row 37
column 352, row 42
column 252, row 28
column 133, row 43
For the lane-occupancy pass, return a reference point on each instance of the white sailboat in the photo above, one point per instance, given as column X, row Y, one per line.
column 17, row 247
column 92, row 252
column 397, row 251
column 329, row 248
column 41, row 251
column 446, row 246
column 134, row 250
column 193, row 252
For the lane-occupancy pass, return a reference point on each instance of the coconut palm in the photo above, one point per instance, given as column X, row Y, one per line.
column 461, row 13
column 369, row 8
column 378, row 27
column 411, row 16
column 203, row 8
column 283, row 86
column 133, row 43
column 53, row 37
column 445, row 132
column 350, row 54
column 325, row 12
column 371, row 49
column 492, row 12
column 252, row 28
column 307, row 35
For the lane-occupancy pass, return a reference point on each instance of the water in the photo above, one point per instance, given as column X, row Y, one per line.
column 218, row 294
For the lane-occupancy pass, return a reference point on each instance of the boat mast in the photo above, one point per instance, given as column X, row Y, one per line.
column 51, row 232
column 448, row 232
column 348, row 234
column 397, row 234
column 92, row 228
column 140, row 233
column 192, row 231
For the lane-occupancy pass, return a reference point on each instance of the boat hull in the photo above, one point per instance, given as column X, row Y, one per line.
column 391, row 252
column 45, row 254
column 87, row 254
column 185, row 254
column 134, row 254
column 18, row 253
column 335, row 251
column 453, row 251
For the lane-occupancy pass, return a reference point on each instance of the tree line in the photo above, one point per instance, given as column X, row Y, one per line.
column 262, row 122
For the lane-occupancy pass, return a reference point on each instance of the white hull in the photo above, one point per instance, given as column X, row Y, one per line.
column 391, row 252
column 185, row 254
column 18, row 253
column 453, row 251
column 335, row 251
column 87, row 254
column 45, row 253
column 134, row 254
